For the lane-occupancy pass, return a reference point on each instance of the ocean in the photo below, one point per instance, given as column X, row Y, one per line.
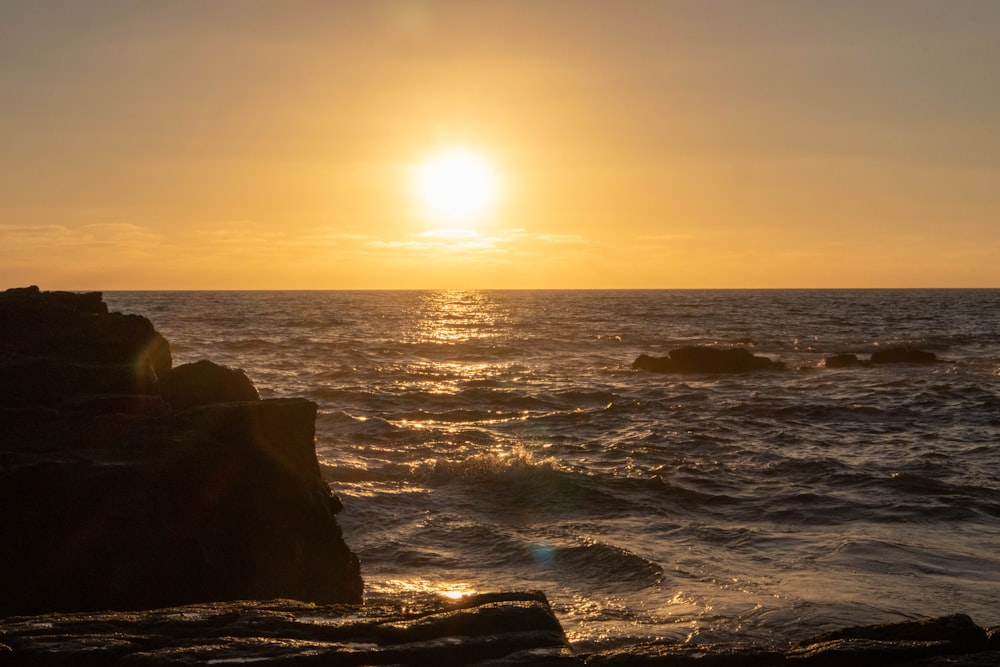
column 498, row 440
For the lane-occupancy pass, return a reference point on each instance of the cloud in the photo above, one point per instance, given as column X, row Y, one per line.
column 60, row 238
column 455, row 241
column 558, row 239
column 442, row 242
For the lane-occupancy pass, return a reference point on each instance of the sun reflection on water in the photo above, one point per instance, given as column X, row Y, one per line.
column 455, row 316
column 453, row 590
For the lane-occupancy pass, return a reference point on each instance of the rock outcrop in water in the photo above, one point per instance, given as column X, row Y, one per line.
column 113, row 498
column 891, row 355
column 703, row 359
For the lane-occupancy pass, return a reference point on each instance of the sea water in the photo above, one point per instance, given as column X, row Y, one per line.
column 488, row 440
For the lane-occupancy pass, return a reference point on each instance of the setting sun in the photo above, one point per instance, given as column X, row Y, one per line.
column 456, row 186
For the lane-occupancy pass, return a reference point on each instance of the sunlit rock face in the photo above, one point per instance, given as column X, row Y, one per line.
column 112, row 498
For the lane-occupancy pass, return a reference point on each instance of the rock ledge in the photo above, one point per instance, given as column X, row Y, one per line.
column 113, row 497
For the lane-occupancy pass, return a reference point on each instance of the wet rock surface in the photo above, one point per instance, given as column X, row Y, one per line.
column 485, row 629
column 947, row 640
column 510, row 629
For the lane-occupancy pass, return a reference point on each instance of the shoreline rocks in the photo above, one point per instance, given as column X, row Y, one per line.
column 514, row 628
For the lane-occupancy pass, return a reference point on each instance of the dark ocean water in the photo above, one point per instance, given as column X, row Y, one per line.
column 489, row 440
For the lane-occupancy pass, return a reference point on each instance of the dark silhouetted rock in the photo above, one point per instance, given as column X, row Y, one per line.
column 698, row 359
column 866, row 652
column 842, row 361
column 112, row 499
column 507, row 629
column 205, row 382
column 221, row 502
column 903, row 355
column 950, row 640
column 58, row 345
column 670, row 654
column 958, row 630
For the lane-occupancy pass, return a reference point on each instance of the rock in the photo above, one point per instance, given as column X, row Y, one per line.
column 670, row 654
column 497, row 629
column 865, row 652
column 842, row 361
column 113, row 499
column 958, row 630
column 58, row 345
column 698, row 359
column 220, row 503
column 205, row 382
column 903, row 355
column 949, row 640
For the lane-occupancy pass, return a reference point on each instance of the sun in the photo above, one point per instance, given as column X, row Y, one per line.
column 456, row 186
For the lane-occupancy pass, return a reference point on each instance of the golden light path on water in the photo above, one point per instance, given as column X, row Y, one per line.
column 451, row 590
column 447, row 318
column 454, row 316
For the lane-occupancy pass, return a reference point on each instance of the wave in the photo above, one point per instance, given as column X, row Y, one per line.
column 513, row 468
column 599, row 565
column 460, row 415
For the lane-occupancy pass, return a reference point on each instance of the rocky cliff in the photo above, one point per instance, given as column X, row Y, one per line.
column 126, row 483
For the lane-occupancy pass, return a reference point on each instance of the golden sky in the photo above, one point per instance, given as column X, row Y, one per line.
column 636, row 143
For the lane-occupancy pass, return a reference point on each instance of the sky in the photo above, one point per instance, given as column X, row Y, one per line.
column 635, row 144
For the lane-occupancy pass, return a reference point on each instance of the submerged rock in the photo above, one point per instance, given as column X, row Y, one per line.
column 110, row 498
column 699, row 359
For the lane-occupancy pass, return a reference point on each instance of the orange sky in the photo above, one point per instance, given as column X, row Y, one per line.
column 653, row 144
